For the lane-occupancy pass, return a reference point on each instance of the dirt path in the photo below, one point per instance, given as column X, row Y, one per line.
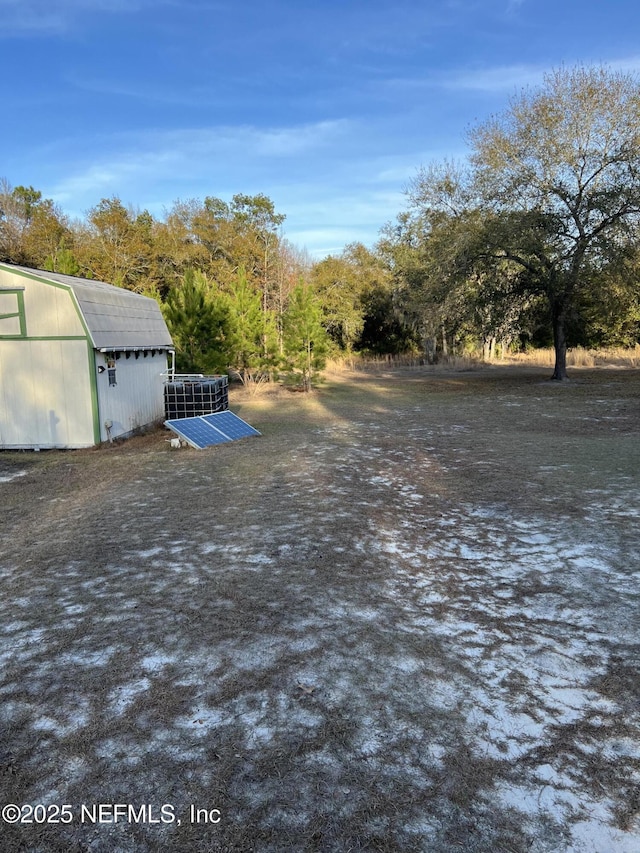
column 406, row 618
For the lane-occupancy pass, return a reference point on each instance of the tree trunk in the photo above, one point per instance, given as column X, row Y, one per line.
column 430, row 350
column 558, row 315
column 445, row 351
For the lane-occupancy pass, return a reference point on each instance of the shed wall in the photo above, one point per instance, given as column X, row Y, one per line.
column 138, row 397
column 45, row 394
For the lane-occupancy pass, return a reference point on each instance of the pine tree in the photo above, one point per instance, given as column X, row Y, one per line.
column 198, row 324
column 252, row 339
column 62, row 261
column 305, row 339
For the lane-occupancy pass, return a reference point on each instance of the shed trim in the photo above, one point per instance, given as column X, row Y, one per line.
column 18, row 292
column 93, row 384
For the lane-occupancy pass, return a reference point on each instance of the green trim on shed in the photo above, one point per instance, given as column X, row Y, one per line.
column 18, row 292
column 93, row 384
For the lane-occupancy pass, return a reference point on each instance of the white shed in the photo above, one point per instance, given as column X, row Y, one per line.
column 80, row 361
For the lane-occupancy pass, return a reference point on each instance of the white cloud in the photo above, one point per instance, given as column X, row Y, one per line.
column 334, row 180
column 331, row 240
column 329, row 200
column 501, row 78
column 25, row 17
column 154, row 168
column 496, row 79
column 240, row 141
column 630, row 65
column 196, row 150
column 18, row 17
column 285, row 142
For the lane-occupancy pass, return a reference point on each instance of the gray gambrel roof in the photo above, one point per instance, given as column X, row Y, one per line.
column 116, row 318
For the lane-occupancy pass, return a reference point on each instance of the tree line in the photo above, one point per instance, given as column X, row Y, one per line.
column 236, row 295
column 532, row 240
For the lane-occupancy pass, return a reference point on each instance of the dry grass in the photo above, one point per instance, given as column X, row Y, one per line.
column 581, row 357
column 405, row 618
column 375, row 364
column 576, row 357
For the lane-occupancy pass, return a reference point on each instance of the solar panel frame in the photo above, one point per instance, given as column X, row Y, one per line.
column 207, row 430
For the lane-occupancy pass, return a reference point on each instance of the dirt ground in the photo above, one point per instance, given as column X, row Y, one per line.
column 405, row 618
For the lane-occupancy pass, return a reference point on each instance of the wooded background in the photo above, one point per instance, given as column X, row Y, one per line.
column 532, row 241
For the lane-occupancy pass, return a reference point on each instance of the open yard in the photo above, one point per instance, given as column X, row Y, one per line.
column 406, row 618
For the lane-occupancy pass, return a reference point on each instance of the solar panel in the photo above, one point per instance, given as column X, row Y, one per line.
column 207, row 430
column 230, row 424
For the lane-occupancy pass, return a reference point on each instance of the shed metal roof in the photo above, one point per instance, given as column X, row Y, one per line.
column 116, row 318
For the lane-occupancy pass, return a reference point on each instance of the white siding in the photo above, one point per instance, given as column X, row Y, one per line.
column 45, row 394
column 138, row 397
column 49, row 310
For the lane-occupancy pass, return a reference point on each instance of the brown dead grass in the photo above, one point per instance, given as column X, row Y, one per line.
column 405, row 618
column 626, row 357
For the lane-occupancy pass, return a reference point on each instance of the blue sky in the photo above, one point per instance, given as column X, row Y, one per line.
column 327, row 107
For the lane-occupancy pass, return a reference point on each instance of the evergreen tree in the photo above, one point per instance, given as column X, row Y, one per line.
column 252, row 340
column 305, row 340
column 63, row 261
column 198, row 324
